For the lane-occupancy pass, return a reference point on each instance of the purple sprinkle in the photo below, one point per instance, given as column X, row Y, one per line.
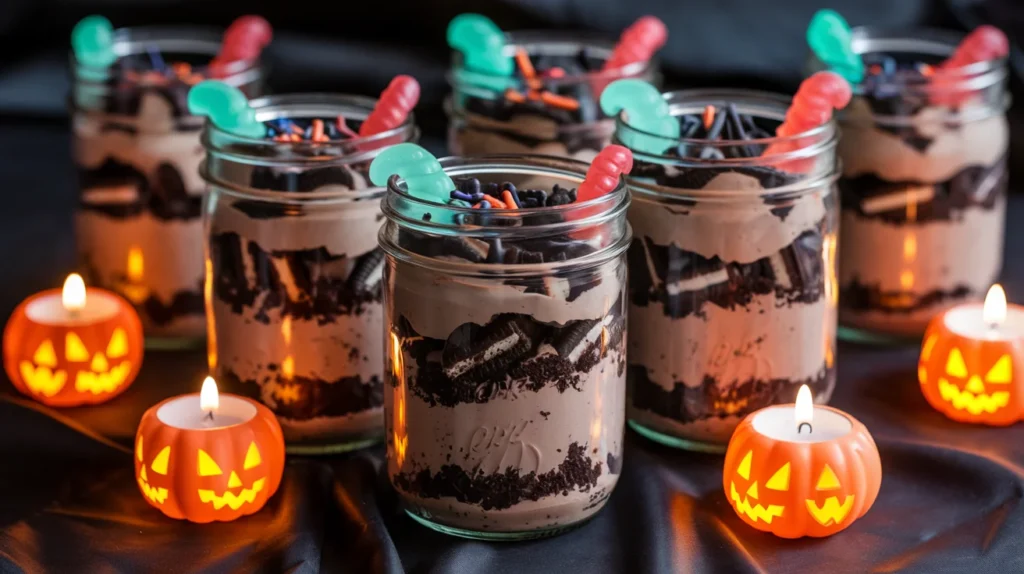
column 156, row 59
column 463, row 196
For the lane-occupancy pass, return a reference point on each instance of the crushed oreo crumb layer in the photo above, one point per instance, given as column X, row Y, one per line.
column 855, row 296
column 682, row 282
column 249, row 277
column 303, row 398
column 510, row 355
column 974, row 186
column 503, row 489
column 120, row 190
column 712, row 399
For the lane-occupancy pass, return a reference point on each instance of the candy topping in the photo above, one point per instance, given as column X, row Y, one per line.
column 423, row 175
column 813, row 103
column 638, row 43
column 481, row 43
column 830, row 38
column 244, row 39
column 984, row 43
column 604, row 172
column 535, row 88
column 226, row 106
column 92, row 40
column 393, row 107
column 646, row 110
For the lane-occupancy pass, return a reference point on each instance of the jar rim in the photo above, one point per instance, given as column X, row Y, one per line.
column 768, row 105
column 922, row 39
column 561, row 42
column 193, row 40
column 595, row 212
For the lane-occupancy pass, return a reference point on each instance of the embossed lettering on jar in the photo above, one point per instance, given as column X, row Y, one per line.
column 504, row 407
column 293, row 284
column 137, row 150
column 732, row 267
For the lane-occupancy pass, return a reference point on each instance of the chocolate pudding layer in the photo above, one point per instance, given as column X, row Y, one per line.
column 923, row 216
column 294, row 289
column 732, row 271
column 505, row 399
column 518, row 119
column 137, row 151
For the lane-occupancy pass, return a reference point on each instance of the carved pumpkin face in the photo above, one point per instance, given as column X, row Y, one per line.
column 801, row 489
column 205, row 475
column 75, row 364
column 970, row 380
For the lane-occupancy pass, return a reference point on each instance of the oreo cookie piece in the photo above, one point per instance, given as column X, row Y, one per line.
column 168, row 198
column 487, row 351
column 804, row 275
column 576, row 338
column 368, row 272
column 468, row 248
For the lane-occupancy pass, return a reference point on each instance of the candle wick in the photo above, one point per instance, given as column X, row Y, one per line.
column 209, row 415
column 800, row 428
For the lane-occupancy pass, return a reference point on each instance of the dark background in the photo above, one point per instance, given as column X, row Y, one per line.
column 950, row 498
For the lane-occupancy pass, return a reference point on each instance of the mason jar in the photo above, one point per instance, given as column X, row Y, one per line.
column 923, row 186
column 505, row 330
column 732, row 269
column 483, row 120
column 137, row 152
column 293, row 272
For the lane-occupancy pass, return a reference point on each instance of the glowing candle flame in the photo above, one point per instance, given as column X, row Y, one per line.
column 804, row 409
column 994, row 310
column 209, row 399
column 136, row 264
column 73, row 295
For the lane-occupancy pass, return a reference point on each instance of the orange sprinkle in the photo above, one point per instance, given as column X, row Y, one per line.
column 709, row 116
column 495, row 203
column 514, row 96
column 563, row 102
column 526, row 66
column 477, row 206
column 181, row 69
column 875, row 69
column 193, row 79
column 926, row 70
column 510, row 202
column 297, row 130
column 556, row 72
column 318, row 130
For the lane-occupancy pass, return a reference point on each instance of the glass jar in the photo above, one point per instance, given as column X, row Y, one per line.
column 293, row 273
column 923, row 187
column 137, row 152
column 504, row 408
column 732, row 271
column 482, row 120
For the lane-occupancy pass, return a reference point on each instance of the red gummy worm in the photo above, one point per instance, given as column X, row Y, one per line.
column 604, row 172
column 245, row 38
column 984, row 43
column 814, row 101
column 638, row 42
column 394, row 105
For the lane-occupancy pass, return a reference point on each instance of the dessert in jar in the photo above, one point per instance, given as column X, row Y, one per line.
column 732, row 297
column 538, row 92
column 505, row 286
column 137, row 151
column 923, row 187
column 293, row 282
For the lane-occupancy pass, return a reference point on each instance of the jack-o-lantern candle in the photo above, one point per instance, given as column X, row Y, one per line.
column 208, row 457
column 73, row 346
column 801, row 470
column 969, row 358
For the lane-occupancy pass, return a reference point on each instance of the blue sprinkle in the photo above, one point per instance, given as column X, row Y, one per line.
column 485, row 205
column 889, row 65
column 477, row 197
column 461, row 196
column 309, row 133
column 156, row 59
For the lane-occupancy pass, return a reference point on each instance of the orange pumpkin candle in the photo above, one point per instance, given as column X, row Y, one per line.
column 968, row 360
column 801, row 470
column 73, row 346
column 208, row 457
